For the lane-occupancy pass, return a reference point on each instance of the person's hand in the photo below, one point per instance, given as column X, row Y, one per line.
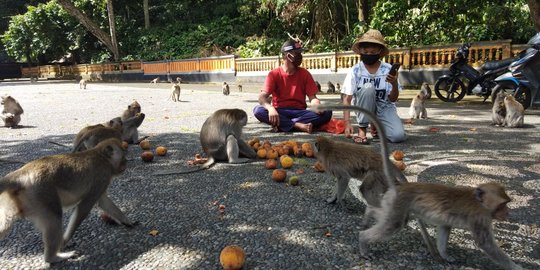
column 348, row 130
column 392, row 79
column 273, row 117
column 316, row 101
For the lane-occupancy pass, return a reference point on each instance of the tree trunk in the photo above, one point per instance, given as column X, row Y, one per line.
column 89, row 25
column 112, row 27
column 146, row 15
column 534, row 7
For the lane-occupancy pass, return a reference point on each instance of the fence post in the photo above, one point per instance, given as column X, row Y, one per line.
column 506, row 49
column 333, row 62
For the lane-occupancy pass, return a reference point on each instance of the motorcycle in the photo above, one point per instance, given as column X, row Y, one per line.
column 523, row 80
column 451, row 87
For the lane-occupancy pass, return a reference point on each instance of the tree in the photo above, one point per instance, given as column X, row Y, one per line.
column 92, row 27
column 146, row 15
column 534, row 7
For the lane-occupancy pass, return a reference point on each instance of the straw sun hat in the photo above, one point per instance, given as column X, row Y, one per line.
column 371, row 36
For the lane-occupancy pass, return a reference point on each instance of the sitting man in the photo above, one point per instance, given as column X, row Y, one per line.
column 289, row 85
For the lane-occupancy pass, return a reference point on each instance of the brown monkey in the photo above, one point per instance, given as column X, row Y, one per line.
column 175, row 95
column 498, row 111
column 418, row 106
column 318, row 86
column 468, row 208
column 331, row 88
column 221, row 139
column 373, row 188
column 225, row 89
column 425, row 87
column 239, row 88
column 338, row 88
column 90, row 136
column 514, row 112
column 11, row 114
column 82, row 84
column 42, row 188
column 345, row 160
column 132, row 118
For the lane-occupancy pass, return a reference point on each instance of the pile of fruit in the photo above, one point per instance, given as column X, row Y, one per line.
column 147, row 155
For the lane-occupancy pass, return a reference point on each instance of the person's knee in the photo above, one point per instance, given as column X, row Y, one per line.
column 397, row 136
column 259, row 112
column 326, row 116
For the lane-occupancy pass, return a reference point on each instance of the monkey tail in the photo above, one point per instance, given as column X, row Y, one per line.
column 211, row 161
column 384, row 147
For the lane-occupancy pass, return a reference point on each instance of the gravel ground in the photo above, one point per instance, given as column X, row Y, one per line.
column 279, row 226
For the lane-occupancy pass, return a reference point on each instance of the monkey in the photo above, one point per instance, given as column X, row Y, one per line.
column 155, row 80
column 338, row 88
column 225, row 89
column 344, row 161
column 514, row 112
column 498, row 111
column 82, row 84
column 221, row 140
column 175, row 95
column 318, row 86
column 239, row 88
column 40, row 190
column 468, row 208
column 425, row 87
column 418, row 106
column 178, row 80
column 331, row 88
column 132, row 118
column 90, row 136
column 373, row 188
column 11, row 114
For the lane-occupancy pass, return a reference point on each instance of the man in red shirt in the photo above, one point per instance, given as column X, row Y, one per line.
column 289, row 85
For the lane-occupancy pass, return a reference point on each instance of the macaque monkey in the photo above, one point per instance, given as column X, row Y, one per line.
column 338, row 87
column 418, row 106
column 239, row 88
column 468, row 208
column 178, row 80
column 225, row 89
column 90, row 136
column 42, row 188
column 318, row 86
column 498, row 111
column 175, row 95
column 345, row 160
column 132, row 118
column 425, row 87
column 82, row 84
column 514, row 112
column 331, row 88
column 11, row 114
column 155, row 81
column 221, row 139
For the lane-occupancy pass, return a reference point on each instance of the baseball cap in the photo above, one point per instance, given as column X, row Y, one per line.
column 291, row 46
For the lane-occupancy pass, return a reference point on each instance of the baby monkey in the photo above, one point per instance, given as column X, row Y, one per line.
column 418, row 106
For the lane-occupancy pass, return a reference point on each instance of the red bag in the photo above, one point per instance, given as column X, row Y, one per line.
column 333, row 126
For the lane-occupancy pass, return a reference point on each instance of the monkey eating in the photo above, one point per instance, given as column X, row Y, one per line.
column 41, row 189
column 11, row 114
column 225, row 89
column 90, row 136
column 468, row 208
column 418, row 106
column 514, row 112
column 498, row 111
column 132, row 118
column 82, row 84
column 221, row 140
column 175, row 95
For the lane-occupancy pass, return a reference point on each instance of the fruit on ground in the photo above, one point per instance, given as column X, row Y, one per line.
column 161, row 150
column 145, row 144
column 279, row 175
column 147, row 156
column 232, row 257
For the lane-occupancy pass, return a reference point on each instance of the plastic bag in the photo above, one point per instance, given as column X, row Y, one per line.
column 333, row 126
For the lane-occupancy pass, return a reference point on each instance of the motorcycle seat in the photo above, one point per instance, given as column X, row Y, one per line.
column 498, row 64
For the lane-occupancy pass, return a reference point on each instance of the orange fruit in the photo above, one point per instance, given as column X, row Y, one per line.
column 271, row 154
column 270, row 164
column 286, row 162
column 279, row 175
column 306, row 146
column 261, row 153
column 145, row 145
column 309, row 153
column 256, row 145
column 400, row 164
column 161, row 150
column 125, row 145
column 232, row 257
column 147, row 156
column 398, row 155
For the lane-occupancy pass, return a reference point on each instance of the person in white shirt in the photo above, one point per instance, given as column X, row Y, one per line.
column 369, row 85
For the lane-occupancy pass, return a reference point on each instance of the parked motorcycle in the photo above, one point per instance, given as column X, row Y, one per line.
column 523, row 80
column 451, row 87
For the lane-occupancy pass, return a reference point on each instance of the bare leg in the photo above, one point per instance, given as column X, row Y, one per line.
column 443, row 232
column 304, row 127
column 233, row 151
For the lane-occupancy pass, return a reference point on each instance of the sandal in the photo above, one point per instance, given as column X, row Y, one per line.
column 360, row 140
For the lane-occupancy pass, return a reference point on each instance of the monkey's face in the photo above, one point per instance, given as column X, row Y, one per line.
column 501, row 213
